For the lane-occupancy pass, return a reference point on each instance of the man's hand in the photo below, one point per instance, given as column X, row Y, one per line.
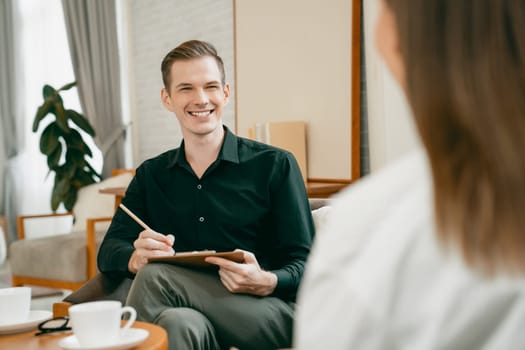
column 150, row 244
column 247, row 277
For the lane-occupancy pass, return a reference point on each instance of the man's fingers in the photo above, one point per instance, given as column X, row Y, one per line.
column 157, row 236
column 151, row 244
column 145, row 254
column 154, row 253
column 226, row 280
column 249, row 258
column 149, row 239
column 224, row 263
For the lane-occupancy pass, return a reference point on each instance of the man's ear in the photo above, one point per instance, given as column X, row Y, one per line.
column 166, row 99
column 226, row 90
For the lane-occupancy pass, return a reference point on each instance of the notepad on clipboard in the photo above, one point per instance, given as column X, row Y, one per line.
column 197, row 258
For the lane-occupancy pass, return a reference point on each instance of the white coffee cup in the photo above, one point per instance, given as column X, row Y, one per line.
column 97, row 323
column 14, row 305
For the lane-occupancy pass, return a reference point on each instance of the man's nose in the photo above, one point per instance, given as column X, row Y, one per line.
column 200, row 97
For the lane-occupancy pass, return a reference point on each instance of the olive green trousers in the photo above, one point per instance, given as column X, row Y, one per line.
column 198, row 312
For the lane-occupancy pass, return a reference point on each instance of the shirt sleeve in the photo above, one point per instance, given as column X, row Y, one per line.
column 293, row 224
column 117, row 247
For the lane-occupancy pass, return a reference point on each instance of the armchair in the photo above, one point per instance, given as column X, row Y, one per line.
column 106, row 287
column 66, row 261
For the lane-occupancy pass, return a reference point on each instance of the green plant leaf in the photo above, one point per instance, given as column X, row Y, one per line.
column 63, row 186
column 70, row 198
column 54, row 157
column 75, row 140
column 56, row 196
column 61, row 117
column 49, row 140
column 49, row 92
column 75, row 157
column 57, row 137
column 67, row 86
column 80, row 121
column 69, row 170
column 58, row 99
column 84, row 179
column 55, row 201
column 46, row 108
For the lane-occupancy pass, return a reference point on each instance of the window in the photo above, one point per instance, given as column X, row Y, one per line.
column 45, row 59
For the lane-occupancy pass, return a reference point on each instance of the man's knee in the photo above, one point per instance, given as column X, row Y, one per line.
column 148, row 286
column 155, row 276
column 187, row 329
column 149, row 272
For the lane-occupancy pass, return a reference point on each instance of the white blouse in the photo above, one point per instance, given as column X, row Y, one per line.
column 378, row 278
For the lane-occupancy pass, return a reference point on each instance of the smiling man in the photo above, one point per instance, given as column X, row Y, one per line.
column 216, row 191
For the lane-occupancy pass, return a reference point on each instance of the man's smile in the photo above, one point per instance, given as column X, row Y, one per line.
column 201, row 113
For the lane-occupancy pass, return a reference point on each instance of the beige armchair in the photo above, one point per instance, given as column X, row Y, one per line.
column 66, row 261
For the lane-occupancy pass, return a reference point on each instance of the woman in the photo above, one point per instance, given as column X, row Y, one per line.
column 430, row 253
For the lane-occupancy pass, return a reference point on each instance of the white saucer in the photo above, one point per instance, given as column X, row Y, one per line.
column 129, row 338
column 35, row 317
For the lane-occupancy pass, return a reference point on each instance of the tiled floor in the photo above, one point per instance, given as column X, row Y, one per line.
column 38, row 303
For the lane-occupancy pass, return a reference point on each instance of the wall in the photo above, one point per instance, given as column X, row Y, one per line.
column 154, row 27
column 293, row 63
column 391, row 129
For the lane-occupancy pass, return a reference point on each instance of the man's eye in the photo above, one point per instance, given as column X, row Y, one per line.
column 212, row 87
column 185, row 89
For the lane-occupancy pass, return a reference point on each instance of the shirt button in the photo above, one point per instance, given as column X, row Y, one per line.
column 199, row 186
column 201, row 219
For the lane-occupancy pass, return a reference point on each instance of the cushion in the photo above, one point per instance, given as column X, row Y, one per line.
column 61, row 257
column 92, row 204
column 320, row 216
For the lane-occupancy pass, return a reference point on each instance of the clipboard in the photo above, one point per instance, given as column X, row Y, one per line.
column 197, row 258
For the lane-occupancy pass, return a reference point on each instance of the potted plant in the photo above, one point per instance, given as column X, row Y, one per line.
column 64, row 147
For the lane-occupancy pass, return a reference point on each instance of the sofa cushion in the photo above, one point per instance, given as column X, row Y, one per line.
column 320, row 216
column 92, row 204
column 61, row 257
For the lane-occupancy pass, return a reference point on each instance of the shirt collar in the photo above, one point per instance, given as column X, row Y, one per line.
column 230, row 147
column 229, row 150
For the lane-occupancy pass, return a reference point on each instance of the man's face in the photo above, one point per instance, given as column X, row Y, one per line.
column 196, row 96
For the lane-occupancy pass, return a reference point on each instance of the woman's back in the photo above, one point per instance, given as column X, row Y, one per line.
column 386, row 282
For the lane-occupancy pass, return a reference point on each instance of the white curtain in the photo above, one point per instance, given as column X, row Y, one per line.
column 44, row 59
column 92, row 33
column 9, row 143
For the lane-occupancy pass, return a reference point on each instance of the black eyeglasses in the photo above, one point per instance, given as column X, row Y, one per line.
column 57, row 324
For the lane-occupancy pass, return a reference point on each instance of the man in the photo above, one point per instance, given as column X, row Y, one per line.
column 216, row 191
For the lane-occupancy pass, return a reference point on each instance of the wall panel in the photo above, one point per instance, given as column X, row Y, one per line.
column 293, row 62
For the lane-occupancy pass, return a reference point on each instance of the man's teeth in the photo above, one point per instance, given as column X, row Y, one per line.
column 200, row 114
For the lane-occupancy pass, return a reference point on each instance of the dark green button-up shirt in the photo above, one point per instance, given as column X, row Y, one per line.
column 252, row 197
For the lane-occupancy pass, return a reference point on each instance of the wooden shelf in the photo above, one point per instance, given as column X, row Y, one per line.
column 323, row 189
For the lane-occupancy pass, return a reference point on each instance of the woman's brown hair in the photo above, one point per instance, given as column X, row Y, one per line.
column 465, row 80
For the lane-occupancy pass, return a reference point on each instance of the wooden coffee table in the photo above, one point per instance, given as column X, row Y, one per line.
column 157, row 339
